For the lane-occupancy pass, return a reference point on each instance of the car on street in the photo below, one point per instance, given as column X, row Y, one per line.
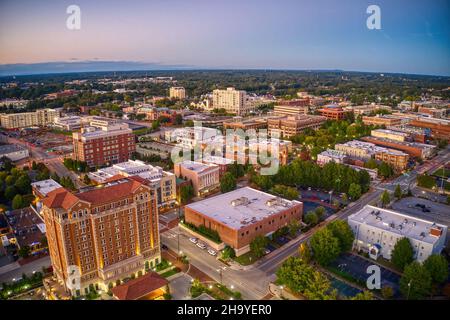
column 267, row 251
column 193, row 240
column 212, row 252
column 201, row 245
column 426, row 210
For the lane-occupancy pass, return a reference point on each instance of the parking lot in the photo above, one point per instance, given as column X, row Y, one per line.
column 357, row 268
column 439, row 213
column 343, row 289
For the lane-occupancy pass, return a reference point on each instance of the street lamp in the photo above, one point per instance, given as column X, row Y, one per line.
column 220, row 273
column 409, row 289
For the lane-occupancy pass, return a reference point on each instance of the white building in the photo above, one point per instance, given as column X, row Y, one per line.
column 189, row 137
column 232, row 100
column 177, row 93
column 164, row 182
column 378, row 230
column 331, row 155
column 69, row 123
column 14, row 152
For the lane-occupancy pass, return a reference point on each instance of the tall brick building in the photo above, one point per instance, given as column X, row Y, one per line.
column 104, row 143
column 107, row 233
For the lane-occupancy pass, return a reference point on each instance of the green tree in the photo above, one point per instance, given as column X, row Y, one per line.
column 227, row 183
column 343, row 232
column 387, row 292
column 311, row 218
column 416, row 282
column 17, row 202
column 365, row 295
column 403, row 253
column 385, row 198
column 304, row 252
column 320, row 212
column 186, row 193
column 325, row 246
column 228, row 252
column 398, row 192
column 258, row 245
column 24, row 251
column 10, row 192
column 354, row 191
column 437, row 267
column 293, row 226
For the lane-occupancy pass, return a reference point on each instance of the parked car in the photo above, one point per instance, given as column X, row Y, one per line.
column 193, row 240
column 426, row 210
column 212, row 252
column 201, row 245
column 266, row 251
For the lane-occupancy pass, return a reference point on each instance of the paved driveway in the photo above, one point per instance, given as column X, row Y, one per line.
column 179, row 287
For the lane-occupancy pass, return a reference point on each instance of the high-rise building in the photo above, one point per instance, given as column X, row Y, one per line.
column 102, row 234
column 177, row 93
column 232, row 100
column 42, row 117
column 104, row 142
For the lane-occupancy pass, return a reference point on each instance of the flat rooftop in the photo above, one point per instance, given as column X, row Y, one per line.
column 242, row 207
column 196, row 166
column 389, row 131
column 8, row 148
column 45, row 186
column 399, row 223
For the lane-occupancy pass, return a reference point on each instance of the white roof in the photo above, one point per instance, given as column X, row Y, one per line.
column 242, row 207
column 196, row 166
column 46, row 186
column 398, row 223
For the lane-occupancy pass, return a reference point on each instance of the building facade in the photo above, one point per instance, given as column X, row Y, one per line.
column 377, row 231
column 102, row 234
column 14, row 152
column 42, row 117
column 387, row 120
column 290, row 126
column 104, row 143
column 177, row 93
column 232, row 100
column 203, row 176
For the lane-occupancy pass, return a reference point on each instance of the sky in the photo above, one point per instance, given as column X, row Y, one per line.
column 259, row 34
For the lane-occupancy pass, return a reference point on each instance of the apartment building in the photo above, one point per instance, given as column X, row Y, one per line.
column 438, row 128
column 331, row 155
column 240, row 215
column 367, row 109
column 414, row 149
column 386, row 120
column 69, row 123
column 397, row 159
column 377, row 231
column 104, row 142
column 390, row 134
column 358, row 149
column 42, row 117
column 103, row 234
column 203, row 176
column 232, row 100
column 177, row 93
column 162, row 181
column 292, row 125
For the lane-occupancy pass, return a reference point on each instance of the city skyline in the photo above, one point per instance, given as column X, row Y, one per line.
column 306, row 35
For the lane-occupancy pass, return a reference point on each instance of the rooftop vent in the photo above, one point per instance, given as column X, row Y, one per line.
column 240, row 201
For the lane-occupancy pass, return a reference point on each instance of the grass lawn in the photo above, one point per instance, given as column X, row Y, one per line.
column 164, row 264
column 170, row 272
column 246, row 259
column 441, row 171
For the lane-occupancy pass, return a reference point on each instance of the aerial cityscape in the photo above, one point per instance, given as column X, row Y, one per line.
column 199, row 177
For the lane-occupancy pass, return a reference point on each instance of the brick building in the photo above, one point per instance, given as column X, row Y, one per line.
column 292, row 125
column 334, row 112
column 105, row 233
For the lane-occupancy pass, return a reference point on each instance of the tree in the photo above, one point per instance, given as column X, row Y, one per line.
column 437, row 267
column 385, row 198
column 343, row 232
column 403, row 253
column 318, row 288
column 227, row 183
column 354, row 191
column 228, row 252
column 325, row 246
column 86, row 179
column 24, row 251
column 304, row 252
column 320, row 212
column 186, row 193
column 293, row 226
column 344, row 197
column 311, row 218
column 387, row 292
column 415, row 282
column 10, row 192
column 258, row 245
column 23, row 184
column 178, row 119
column 398, row 192
column 17, row 202
column 385, row 170
column 365, row 295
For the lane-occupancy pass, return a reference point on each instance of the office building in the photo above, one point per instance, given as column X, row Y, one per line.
column 367, row 109
column 414, row 149
column 334, row 112
column 240, row 215
column 390, row 134
column 292, row 125
column 386, row 120
column 104, row 142
column 105, row 234
column 69, row 123
column 203, row 176
column 377, row 231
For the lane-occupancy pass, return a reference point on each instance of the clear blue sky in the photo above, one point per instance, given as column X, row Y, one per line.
column 288, row 34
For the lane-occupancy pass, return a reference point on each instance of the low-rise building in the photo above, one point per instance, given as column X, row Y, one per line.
column 69, row 123
column 367, row 109
column 414, row 149
column 331, row 155
column 239, row 216
column 358, row 149
column 377, row 231
column 383, row 120
column 41, row 117
column 291, row 107
column 334, row 112
column 203, row 176
column 292, row 125
column 390, row 134
column 162, row 181
column 14, row 152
